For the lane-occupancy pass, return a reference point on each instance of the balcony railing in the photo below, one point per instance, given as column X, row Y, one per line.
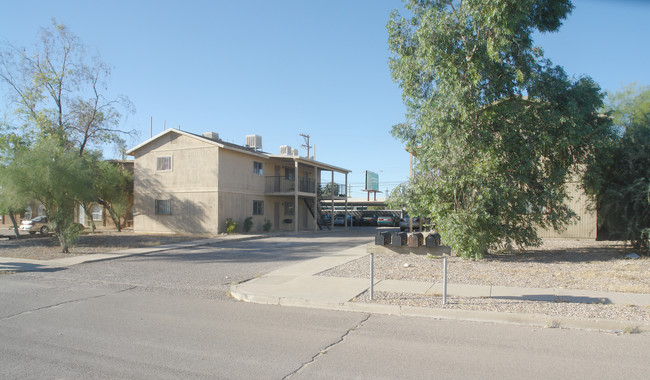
column 325, row 190
column 280, row 184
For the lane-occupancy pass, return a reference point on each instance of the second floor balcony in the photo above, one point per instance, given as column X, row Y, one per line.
column 284, row 185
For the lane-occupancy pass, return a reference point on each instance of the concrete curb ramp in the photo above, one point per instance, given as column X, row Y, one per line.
column 298, row 285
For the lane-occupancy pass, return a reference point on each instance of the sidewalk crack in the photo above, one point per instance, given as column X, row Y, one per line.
column 324, row 351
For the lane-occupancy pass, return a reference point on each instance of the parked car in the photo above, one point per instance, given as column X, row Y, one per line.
column 369, row 220
column 404, row 223
column 388, row 221
column 340, row 218
column 38, row 224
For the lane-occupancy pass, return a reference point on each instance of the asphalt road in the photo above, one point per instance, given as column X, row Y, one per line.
column 168, row 315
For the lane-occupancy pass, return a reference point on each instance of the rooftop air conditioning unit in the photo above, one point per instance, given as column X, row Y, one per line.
column 286, row 150
column 211, row 135
column 294, row 152
column 254, row 142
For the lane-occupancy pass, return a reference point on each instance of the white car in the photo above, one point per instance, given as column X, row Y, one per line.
column 38, row 224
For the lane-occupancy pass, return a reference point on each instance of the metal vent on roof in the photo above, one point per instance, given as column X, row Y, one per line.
column 254, row 142
column 285, row 150
column 211, row 135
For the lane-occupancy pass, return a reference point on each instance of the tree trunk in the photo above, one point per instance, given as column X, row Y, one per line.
column 89, row 215
column 13, row 221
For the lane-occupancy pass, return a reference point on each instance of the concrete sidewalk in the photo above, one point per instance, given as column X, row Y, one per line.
column 299, row 285
column 11, row 264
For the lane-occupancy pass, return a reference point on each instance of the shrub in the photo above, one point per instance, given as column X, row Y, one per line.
column 231, row 226
column 248, row 224
column 267, row 226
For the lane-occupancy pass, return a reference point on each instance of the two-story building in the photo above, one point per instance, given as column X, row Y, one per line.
column 188, row 183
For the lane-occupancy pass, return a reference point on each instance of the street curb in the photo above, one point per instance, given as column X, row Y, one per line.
column 534, row 320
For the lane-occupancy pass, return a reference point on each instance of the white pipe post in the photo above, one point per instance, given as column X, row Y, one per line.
column 444, row 280
column 372, row 274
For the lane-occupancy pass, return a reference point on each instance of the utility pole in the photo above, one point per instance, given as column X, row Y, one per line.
column 306, row 144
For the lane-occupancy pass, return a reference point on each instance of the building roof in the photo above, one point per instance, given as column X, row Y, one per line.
column 242, row 149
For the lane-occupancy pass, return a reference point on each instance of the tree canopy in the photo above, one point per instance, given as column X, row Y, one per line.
column 61, row 117
column 56, row 92
column 495, row 128
column 620, row 178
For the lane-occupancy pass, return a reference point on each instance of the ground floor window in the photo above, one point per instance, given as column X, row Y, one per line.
column 258, row 207
column 163, row 206
column 96, row 212
column 288, row 208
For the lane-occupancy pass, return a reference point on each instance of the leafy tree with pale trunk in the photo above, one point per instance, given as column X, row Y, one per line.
column 496, row 129
column 61, row 112
column 56, row 178
column 57, row 93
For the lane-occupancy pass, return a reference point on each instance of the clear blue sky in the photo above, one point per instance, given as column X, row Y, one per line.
column 280, row 68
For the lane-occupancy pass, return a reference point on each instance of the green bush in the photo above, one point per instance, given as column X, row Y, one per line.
column 248, row 224
column 231, row 226
column 267, row 226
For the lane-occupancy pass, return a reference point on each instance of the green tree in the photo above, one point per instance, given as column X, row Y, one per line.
column 496, row 129
column 58, row 97
column 620, row 178
column 58, row 93
column 55, row 177
column 112, row 190
column 10, row 204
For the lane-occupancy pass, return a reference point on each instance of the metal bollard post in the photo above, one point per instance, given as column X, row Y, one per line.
column 372, row 273
column 444, row 280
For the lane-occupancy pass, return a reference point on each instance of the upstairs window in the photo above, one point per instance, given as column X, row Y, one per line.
column 257, row 168
column 289, row 174
column 164, row 164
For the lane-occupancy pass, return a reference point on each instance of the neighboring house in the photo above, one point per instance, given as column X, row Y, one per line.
column 584, row 227
column 188, row 183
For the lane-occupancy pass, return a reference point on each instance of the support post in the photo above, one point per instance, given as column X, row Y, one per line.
column 332, row 196
column 296, row 206
column 346, row 203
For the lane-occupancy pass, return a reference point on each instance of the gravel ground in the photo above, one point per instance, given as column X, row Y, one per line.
column 37, row 247
column 569, row 264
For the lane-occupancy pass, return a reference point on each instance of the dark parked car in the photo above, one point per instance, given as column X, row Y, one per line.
column 369, row 220
column 388, row 221
column 404, row 224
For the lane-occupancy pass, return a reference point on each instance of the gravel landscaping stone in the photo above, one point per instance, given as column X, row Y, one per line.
column 558, row 263
column 39, row 247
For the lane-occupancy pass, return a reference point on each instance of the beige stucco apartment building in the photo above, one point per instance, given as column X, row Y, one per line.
column 188, row 183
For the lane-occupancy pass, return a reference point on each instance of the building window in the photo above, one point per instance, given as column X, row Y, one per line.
column 163, row 206
column 164, row 164
column 257, row 168
column 288, row 208
column 96, row 212
column 289, row 174
column 258, row 207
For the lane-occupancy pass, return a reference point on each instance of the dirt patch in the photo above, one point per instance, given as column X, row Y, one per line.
column 47, row 248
